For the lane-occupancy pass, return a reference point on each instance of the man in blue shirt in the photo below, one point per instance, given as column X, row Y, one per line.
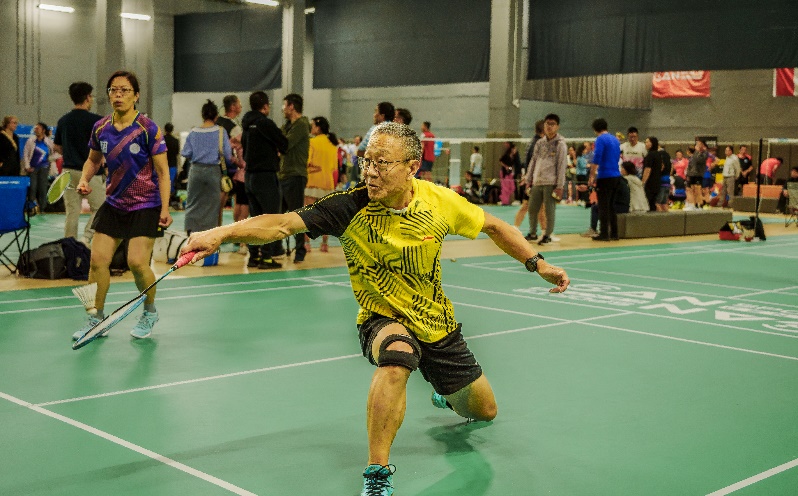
column 605, row 177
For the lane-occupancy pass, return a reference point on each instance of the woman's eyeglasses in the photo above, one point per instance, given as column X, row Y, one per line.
column 121, row 91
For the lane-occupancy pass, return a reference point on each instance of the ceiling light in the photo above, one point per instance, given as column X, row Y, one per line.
column 56, row 8
column 138, row 17
column 272, row 3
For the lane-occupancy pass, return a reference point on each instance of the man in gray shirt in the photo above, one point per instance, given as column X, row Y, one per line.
column 731, row 169
column 546, row 176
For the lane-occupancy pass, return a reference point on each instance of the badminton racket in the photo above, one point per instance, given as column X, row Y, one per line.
column 59, row 186
column 120, row 313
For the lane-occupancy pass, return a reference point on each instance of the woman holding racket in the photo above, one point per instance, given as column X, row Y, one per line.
column 391, row 229
column 137, row 203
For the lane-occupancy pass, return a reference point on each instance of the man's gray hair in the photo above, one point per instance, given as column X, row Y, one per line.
column 411, row 145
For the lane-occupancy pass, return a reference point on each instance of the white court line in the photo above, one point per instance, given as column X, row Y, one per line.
column 679, row 281
column 587, row 305
column 178, row 297
column 200, row 379
column 681, row 291
column 180, row 288
column 764, row 291
column 684, row 248
column 754, row 479
column 693, row 341
column 133, row 447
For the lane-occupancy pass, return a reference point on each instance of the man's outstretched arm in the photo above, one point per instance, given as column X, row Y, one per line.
column 253, row 231
column 512, row 242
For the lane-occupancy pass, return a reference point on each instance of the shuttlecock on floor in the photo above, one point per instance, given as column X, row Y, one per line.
column 86, row 296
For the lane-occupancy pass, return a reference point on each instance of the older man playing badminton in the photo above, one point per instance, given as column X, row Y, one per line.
column 391, row 228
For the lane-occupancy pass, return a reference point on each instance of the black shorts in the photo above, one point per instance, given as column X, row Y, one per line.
column 447, row 364
column 126, row 225
column 240, row 191
column 693, row 180
column 426, row 165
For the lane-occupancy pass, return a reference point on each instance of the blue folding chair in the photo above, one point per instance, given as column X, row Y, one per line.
column 14, row 222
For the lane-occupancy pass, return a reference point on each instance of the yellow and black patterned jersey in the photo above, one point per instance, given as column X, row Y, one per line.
column 394, row 255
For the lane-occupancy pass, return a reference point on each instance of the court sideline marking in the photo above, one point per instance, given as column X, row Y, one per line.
column 133, row 447
column 755, row 478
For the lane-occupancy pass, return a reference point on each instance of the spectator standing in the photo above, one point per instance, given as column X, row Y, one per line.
column 36, row 162
column 352, row 149
column 605, row 177
column 731, row 171
column 663, row 197
column 71, row 140
column 232, row 126
column 546, row 177
column 205, row 146
column 629, row 197
column 680, row 164
column 746, row 167
column 9, row 147
column 633, row 150
column 570, row 175
column 383, row 112
column 476, row 164
column 506, row 162
column 293, row 173
column 322, row 163
column 582, row 172
column 403, row 116
column 262, row 141
column 652, row 172
column 428, row 155
column 695, row 175
column 521, row 191
column 137, row 204
column 172, row 152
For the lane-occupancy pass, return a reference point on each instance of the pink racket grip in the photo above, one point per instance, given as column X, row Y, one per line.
column 184, row 259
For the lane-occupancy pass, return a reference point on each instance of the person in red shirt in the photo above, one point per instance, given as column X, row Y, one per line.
column 428, row 157
column 768, row 168
column 680, row 164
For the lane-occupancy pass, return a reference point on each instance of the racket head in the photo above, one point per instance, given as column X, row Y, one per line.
column 108, row 322
column 60, row 184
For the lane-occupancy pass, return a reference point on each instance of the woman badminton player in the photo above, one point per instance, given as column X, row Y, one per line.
column 137, row 202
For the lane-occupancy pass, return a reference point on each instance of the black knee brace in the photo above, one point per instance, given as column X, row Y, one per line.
column 400, row 358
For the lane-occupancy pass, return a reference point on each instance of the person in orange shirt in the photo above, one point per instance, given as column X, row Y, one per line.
column 322, row 164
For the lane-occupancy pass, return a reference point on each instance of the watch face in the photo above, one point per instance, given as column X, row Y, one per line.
column 532, row 264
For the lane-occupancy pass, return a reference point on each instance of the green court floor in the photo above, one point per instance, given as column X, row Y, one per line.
column 663, row 370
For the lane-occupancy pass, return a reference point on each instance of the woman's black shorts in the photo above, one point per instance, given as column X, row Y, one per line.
column 119, row 224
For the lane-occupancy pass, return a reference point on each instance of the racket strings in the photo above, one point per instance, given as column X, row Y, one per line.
column 111, row 320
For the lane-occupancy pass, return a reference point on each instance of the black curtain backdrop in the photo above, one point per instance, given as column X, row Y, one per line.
column 575, row 38
column 229, row 51
column 374, row 43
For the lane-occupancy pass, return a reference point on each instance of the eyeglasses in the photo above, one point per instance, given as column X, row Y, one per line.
column 122, row 91
column 381, row 166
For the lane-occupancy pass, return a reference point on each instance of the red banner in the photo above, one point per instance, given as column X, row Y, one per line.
column 681, row 84
column 784, row 82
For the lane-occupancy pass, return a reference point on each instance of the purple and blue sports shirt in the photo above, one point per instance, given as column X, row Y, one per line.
column 132, row 182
